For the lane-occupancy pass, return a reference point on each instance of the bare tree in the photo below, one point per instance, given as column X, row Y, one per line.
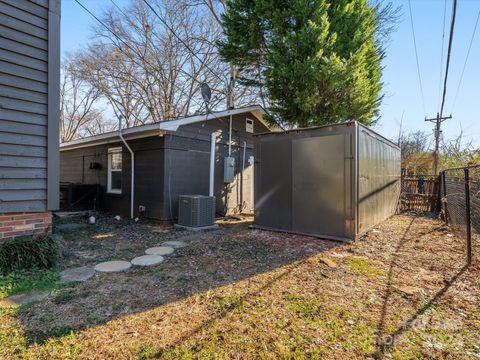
column 150, row 66
column 77, row 99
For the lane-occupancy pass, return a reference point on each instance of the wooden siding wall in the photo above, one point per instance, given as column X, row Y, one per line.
column 169, row 166
column 188, row 156
column 29, row 70
column 75, row 168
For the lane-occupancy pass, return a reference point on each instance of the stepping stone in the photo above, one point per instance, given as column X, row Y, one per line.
column 113, row 266
column 23, row 299
column 70, row 227
column 147, row 260
column 175, row 244
column 160, row 250
column 76, row 274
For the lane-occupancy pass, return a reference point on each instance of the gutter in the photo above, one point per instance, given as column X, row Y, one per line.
column 132, row 168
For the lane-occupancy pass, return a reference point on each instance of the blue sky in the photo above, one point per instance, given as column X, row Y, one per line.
column 402, row 90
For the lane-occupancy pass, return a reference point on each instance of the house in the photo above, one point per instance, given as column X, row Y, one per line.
column 170, row 158
column 29, row 115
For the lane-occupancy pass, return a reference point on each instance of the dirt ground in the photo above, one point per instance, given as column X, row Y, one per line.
column 400, row 292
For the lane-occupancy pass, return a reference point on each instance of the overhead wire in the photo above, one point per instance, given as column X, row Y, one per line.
column 126, row 44
column 441, row 57
column 182, row 41
column 416, row 55
column 449, row 52
column 466, row 60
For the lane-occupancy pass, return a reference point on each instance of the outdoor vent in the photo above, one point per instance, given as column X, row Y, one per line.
column 196, row 210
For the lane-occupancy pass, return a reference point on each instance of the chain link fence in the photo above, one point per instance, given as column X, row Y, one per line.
column 460, row 188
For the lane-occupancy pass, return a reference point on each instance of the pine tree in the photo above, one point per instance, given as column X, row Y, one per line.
column 318, row 60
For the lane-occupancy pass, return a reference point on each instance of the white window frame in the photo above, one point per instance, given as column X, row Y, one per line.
column 249, row 125
column 109, row 175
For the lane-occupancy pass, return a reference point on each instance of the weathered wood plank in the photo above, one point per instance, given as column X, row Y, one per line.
column 33, row 7
column 12, row 138
column 16, row 173
column 23, row 26
column 22, row 184
column 23, row 161
column 22, row 83
column 19, row 59
column 23, row 206
column 23, row 150
column 21, row 105
column 22, row 128
column 22, row 94
column 27, row 118
column 23, row 49
column 22, row 71
column 23, row 38
column 23, row 15
column 24, row 195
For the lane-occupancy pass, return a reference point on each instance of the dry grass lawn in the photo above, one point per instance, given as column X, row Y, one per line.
column 400, row 292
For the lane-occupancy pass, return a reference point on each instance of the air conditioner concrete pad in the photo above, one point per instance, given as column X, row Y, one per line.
column 147, row 260
column 195, row 228
column 160, row 250
column 76, row 274
column 113, row 266
column 175, row 244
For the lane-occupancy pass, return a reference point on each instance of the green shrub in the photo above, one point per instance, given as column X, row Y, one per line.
column 41, row 252
column 26, row 281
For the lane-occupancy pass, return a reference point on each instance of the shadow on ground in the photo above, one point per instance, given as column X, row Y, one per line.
column 208, row 262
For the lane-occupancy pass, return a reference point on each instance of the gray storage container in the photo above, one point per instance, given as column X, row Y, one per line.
column 334, row 181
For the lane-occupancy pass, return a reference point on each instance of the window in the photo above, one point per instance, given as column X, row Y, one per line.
column 114, row 170
column 249, row 125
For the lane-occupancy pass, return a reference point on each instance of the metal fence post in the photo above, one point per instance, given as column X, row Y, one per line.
column 467, row 213
column 444, row 185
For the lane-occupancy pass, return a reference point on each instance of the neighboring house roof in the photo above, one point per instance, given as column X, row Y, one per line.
column 161, row 127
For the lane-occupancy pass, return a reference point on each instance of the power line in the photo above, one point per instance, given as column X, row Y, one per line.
column 441, row 58
column 450, row 40
column 416, row 55
column 128, row 45
column 182, row 41
column 466, row 59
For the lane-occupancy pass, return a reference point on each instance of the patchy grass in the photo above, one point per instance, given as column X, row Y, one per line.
column 248, row 294
column 364, row 267
column 26, row 281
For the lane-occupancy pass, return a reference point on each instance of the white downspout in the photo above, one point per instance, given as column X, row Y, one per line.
column 132, row 170
column 213, row 142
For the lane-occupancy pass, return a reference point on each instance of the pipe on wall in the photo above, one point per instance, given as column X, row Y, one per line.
column 213, row 142
column 132, row 170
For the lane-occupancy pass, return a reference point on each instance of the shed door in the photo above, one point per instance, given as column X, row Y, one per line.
column 319, row 189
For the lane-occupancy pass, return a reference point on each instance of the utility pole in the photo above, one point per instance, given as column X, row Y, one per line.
column 437, row 121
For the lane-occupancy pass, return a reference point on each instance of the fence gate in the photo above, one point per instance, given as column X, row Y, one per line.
column 420, row 193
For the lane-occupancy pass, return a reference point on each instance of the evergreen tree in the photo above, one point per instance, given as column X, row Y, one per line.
column 317, row 60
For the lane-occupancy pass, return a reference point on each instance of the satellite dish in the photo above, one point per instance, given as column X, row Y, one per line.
column 206, row 94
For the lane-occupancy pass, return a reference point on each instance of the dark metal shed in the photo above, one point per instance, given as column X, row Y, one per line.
column 334, row 181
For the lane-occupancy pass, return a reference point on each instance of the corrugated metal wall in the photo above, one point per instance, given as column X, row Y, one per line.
column 307, row 180
column 379, row 180
column 29, row 70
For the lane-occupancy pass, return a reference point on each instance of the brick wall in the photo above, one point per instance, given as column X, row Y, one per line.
column 19, row 224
